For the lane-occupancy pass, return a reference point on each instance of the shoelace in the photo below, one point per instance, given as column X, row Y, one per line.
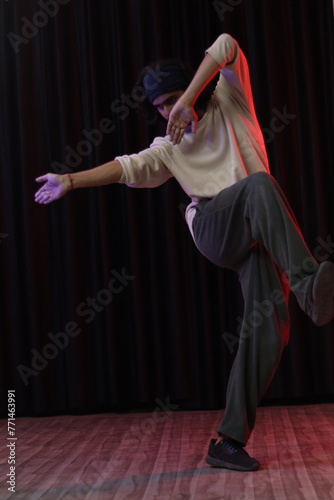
column 230, row 446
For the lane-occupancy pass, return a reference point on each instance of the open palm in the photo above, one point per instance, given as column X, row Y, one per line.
column 55, row 186
column 181, row 115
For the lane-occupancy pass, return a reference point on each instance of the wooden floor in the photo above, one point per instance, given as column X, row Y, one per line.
column 160, row 455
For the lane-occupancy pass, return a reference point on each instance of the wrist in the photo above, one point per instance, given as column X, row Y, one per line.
column 69, row 182
column 187, row 99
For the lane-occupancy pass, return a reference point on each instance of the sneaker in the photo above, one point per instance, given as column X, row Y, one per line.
column 230, row 455
column 321, row 301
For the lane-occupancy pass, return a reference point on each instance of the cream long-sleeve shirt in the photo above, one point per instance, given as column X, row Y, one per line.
column 227, row 146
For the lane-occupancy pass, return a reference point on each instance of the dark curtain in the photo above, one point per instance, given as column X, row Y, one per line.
column 106, row 304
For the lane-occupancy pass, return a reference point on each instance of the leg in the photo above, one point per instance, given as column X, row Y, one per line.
column 250, row 228
column 255, row 210
column 262, row 338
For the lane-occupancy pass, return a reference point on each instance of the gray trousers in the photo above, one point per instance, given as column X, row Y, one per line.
column 250, row 228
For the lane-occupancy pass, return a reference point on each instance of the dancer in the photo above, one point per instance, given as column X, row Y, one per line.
column 238, row 216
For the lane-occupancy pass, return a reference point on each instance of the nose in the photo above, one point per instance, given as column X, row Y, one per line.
column 167, row 110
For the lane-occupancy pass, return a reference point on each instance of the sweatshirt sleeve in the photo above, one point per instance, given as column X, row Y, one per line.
column 146, row 169
column 224, row 50
column 233, row 66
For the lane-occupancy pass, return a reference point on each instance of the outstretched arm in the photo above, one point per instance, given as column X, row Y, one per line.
column 56, row 186
column 183, row 112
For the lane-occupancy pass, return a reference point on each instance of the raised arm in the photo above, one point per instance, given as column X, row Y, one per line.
column 183, row 112
column 56, row 186
column 222, row 52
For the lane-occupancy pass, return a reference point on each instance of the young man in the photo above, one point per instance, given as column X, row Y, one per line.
column 238, row 217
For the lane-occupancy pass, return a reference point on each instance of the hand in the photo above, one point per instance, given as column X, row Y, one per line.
column 55, row 187
column 181, row 115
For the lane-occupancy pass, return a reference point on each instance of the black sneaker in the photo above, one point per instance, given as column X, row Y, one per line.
column 230, row 455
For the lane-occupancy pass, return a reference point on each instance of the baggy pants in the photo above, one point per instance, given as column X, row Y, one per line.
column 250, row 228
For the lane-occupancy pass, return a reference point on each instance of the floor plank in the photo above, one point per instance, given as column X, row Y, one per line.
column 160, row 455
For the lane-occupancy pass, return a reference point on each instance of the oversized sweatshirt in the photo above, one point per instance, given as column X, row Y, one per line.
column 227, row 146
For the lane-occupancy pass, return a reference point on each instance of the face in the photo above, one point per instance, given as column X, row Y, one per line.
column 164, row 103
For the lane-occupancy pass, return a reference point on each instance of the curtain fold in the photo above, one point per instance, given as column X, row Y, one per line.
column 106, row 303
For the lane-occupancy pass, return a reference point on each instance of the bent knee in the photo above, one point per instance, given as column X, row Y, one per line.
column 260, row 181
column 260, row 177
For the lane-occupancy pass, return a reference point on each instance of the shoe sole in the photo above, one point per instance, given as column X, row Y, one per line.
column 323, row 294
column 226, row 465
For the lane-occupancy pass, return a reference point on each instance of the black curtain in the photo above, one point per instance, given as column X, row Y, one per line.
column 105, row 302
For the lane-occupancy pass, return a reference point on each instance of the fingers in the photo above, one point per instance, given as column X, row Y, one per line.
column 176, row 135
column 43, row 197
column 175, row 138
column 171, row 128
column 48, row 192
column 176, row 132
column 43, row 178
column 175, row 125
column 45, row 194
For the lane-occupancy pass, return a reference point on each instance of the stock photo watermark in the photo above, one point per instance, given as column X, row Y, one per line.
column 30, row 27
column 12, row 441
column 135, row 435
column 121, row 108
column 227, row 6
column 87, row 309
column 266, row 308
column 278, row 123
